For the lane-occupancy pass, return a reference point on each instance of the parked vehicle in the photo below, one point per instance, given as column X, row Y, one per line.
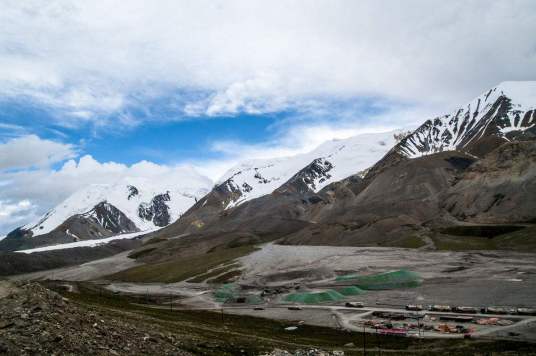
column 526, row 311
column 498, row 310
column 414, row 307
column 441, row 308
column 354, row 305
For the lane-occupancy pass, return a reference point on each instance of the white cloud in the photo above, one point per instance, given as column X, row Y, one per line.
column 262, row 94
column 6, row 209
column 14, row 214
column 32, row 151
column 95, row 57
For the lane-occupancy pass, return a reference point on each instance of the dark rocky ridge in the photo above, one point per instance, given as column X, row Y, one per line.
column 133, row 191
column 110, row 219
column 156, row 211
column 104, row 220
column 304, row 180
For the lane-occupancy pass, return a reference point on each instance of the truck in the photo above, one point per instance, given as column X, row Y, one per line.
column 468, row 310
column 440, row 308
column 499, row 310
column 526, row 311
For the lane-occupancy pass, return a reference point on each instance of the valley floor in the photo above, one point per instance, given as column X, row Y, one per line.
column 470, row 278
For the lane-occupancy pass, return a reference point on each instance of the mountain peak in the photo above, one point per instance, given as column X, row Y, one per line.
column 127, row 194
column 505, row 110
column 522, row 93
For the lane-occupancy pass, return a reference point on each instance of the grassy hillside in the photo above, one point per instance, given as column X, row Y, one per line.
column 180, row 269
column 522, row 240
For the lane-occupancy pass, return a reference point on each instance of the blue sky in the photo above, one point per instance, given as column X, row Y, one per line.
column 159, row 140
column 167, row 135
column 89, row 89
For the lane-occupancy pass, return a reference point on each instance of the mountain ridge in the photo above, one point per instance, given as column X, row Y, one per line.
column 102, row 210
column 397, row 198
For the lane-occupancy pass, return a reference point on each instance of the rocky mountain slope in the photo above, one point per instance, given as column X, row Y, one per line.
column 103, row 210
column 247, row 190
column 473, row 166
column 501, row 188
column 450, row 165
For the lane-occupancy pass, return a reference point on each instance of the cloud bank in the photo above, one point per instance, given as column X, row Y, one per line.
column 31, row 151
column 89, row 59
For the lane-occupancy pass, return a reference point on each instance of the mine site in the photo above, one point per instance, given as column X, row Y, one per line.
column 369, row 290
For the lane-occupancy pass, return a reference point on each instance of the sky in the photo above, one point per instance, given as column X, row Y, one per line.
column 92, row 91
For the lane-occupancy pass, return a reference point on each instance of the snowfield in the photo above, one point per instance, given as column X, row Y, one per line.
column 86, row 243
column 347, row 157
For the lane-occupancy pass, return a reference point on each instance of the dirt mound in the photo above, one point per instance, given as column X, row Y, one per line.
column 35, row 320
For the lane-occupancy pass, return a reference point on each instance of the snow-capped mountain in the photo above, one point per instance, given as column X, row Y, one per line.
column 330, row 162
column 504, row 111
column 147, row 204
column 371, row 189
column 98, row 211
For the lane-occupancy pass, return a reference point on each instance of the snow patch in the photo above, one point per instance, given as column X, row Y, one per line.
column 86, row 243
